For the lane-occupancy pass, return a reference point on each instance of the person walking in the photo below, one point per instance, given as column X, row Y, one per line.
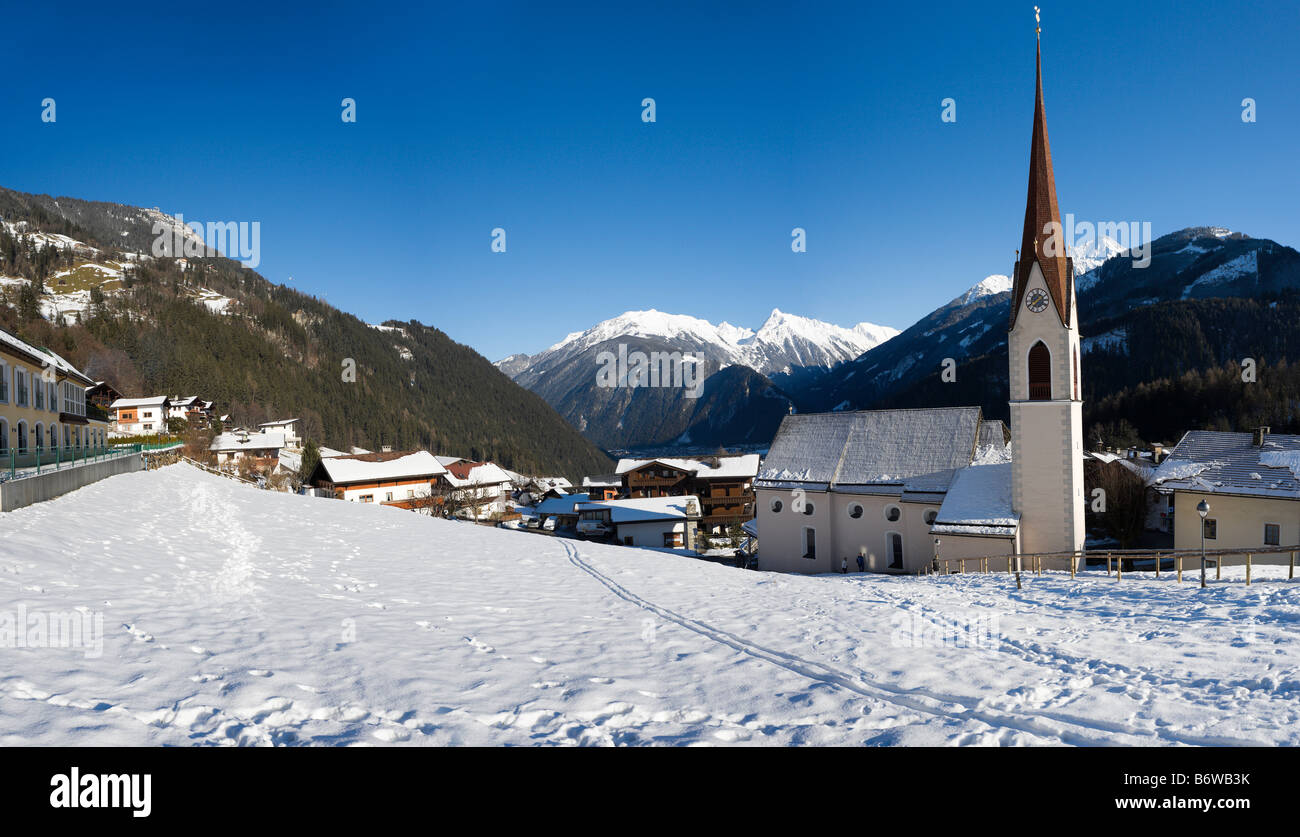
column 862, row 563
column 844, row 565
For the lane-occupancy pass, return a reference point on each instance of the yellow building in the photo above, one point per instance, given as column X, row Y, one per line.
column 1251, row 482
column 42, row 406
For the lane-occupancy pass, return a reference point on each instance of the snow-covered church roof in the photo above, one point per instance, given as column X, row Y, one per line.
column 978, row 503
column 918, row 450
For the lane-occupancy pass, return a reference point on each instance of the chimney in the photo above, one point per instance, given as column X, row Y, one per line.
column 1261, row 433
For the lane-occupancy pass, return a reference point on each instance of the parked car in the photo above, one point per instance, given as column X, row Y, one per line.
column 594, row 528
column 549, row 524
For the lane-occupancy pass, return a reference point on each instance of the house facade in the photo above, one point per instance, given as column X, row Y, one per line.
column 1250, row 481
column 42, row 404
column 287, row 427
column 262, row 450
column 723, row 484
column 662, row 522
column 396, row 476
column 140, row 416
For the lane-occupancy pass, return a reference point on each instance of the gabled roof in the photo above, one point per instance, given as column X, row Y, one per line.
column 602, row 481
column 1040, row 210
column 1217, row 462
column 872, row 448
column 155, row 401
column 726, row 467
column 43, row 357
column 280, row 423
column 463, row 474
column 375, row 467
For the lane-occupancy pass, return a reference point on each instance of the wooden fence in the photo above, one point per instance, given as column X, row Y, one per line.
column 1033, row 563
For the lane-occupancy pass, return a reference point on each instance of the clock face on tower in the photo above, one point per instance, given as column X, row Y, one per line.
column 1036, row 300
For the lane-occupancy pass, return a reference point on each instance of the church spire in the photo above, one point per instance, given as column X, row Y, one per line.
column 1043, row 231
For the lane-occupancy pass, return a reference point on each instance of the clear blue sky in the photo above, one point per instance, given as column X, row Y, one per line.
column 527, row 116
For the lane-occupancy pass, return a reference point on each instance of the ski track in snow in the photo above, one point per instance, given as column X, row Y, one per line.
column 239, row 617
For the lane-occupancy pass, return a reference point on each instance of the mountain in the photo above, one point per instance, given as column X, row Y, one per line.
column 744, row 374
column 81, row 278
column 1208, row 297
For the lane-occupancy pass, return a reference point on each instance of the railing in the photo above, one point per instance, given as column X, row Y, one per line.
column 227, row 474
column 1034, row 562
column 19, row 464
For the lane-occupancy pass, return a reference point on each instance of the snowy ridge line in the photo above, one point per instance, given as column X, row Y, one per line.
column 917, row 699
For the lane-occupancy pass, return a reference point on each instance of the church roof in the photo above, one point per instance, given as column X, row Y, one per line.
column 1218, row 462
column 1041, row 210
column 915, row 449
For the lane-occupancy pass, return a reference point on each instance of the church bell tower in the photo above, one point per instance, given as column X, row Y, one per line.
column 1043, row 345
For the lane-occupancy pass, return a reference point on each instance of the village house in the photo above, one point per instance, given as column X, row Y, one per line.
column 140, row 416
column 649, row 521
column 289, row 427
column 262, row 450
column 42, row 404
column 603, row 487
column 102, row 395
column 901, row 488
column 1251, row 482
column 483, row 488
column 391, row 477
column 723, row 484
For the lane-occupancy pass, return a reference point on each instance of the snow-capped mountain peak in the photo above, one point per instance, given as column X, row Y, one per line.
column 783, row 342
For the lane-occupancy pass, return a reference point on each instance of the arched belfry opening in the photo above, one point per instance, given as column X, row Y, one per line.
column 1040, row 373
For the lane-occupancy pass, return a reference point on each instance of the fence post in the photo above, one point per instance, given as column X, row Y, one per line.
column 1218, row 567
column 1290, row 572
column 1107, row 563
column 1247, row 569
column 1179, row 559
column 1072, row 558
column 1119, row 569
column 1009, row 562
column 961, row 565
column 1157, row 565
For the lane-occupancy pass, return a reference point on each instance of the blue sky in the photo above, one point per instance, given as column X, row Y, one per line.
column 527, row 116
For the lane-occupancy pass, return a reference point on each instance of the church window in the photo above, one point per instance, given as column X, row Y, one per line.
column 1040, row 373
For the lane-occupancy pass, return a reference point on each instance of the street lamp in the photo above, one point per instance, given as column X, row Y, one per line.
column 1202, row 508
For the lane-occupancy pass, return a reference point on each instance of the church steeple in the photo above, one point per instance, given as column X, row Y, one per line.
column 1042, row 217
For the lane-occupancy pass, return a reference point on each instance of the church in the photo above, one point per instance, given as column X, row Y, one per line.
column 891, row 490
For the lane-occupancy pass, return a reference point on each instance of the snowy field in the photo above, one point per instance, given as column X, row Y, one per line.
column 237, row 616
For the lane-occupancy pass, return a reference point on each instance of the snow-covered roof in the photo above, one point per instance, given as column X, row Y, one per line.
column 978, row 503
column 602, row 481
column 326, row 453
column 872, row 447
column 371, row 467
column 1217, row 462
column 727, row 467
column 447, row 460
column 559, row 505
column 155, row 401
column 647, row 509
column 464, row 474
column 247, row 441
column 44, row 356
column 183, row 402
column 280, row 423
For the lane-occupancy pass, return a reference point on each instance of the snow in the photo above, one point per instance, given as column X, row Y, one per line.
column 979, row 502
column 1281, row 459
column 236, row 616
column 1115, row 338
column 1244, row 265
column 349, row 469
column 988, row 286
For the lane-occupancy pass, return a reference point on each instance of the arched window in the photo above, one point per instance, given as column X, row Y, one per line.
column 1076, row 374
column 38, row 433
column 22, row 437
column 54, row 436
column 4, row 435
column 1040, row 373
